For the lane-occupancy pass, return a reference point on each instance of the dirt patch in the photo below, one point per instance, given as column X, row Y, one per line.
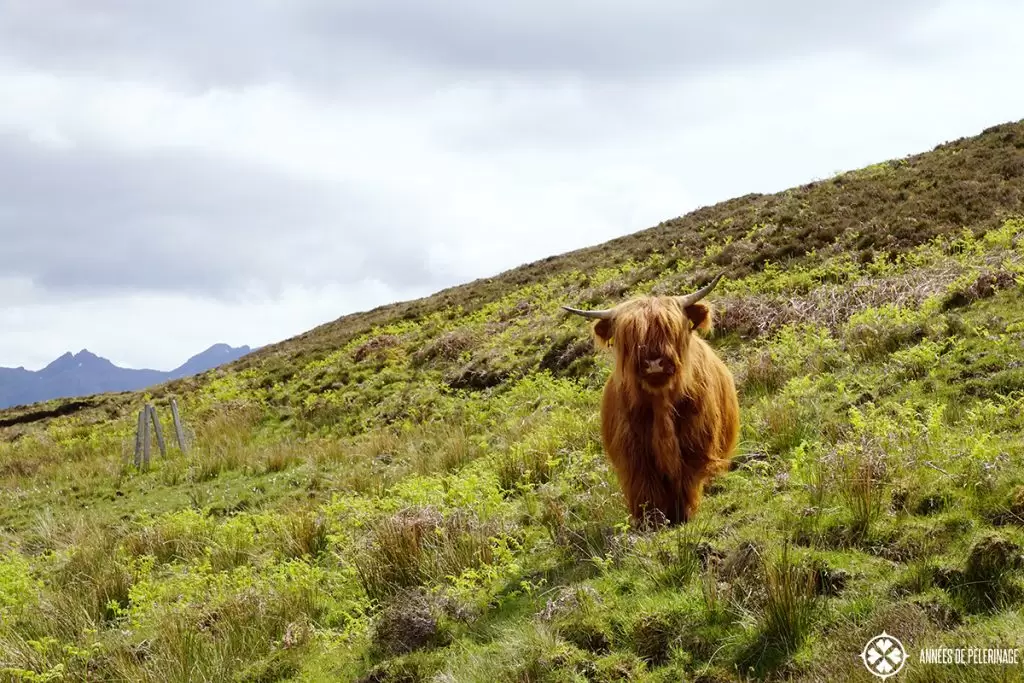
column 448, row 347
column 984, row 287
column 36, row 415
column 410, row 621
column 374, row 347
column 753, row 315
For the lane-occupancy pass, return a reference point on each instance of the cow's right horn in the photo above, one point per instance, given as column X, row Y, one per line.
column 690, row 299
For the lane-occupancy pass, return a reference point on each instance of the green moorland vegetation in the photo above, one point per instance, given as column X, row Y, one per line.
column 418, row 492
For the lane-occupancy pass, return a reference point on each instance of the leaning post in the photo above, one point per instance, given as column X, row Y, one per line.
column 158, row 430
column 178, row 431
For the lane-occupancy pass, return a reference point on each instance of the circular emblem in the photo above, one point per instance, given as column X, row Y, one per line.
column 884, row 655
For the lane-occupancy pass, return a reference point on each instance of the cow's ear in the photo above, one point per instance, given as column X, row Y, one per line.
column 700, row 316
column 603, row 332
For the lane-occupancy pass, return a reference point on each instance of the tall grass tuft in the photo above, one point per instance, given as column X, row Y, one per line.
column 787, row 615
column 791, row 601
column 416, row 545
column 305, row 534
column 863, row 471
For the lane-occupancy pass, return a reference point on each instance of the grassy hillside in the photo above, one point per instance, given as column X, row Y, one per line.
column 418, row 492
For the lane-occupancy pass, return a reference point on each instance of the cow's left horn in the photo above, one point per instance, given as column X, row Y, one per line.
column 689, row 299
column 602, row 314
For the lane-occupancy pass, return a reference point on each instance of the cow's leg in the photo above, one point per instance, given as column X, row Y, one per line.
column 688, row 492
column 650, row 503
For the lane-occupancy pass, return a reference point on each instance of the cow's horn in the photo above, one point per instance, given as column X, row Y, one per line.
column 689, row 299
column 603, row 314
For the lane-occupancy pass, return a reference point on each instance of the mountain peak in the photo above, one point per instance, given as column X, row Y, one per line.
column 64, row 361
column 218, row 354
column 69, row 362
column 221, row 347
column 83, row 373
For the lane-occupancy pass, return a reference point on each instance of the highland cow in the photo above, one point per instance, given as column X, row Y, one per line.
column 670, row 412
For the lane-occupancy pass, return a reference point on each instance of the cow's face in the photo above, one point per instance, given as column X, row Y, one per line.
column 651, row 335
column 651, row 338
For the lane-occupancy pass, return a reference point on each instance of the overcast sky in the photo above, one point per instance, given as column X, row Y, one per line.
column 175, row 174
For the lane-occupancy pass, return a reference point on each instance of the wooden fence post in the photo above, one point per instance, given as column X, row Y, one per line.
column 138, row 437
column 142, row 441
column 145, row 437
column 178, row 431
column 158, row 430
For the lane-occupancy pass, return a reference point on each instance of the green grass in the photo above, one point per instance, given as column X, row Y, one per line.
column 418, row 493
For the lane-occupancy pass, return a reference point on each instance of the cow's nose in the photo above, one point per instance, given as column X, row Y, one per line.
column 659, row 364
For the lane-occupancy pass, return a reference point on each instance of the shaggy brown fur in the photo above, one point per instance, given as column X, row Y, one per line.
column 665, row 432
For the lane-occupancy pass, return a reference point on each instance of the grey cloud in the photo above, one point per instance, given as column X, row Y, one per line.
column 641, row 38
column 82, row 222
column 204, row 43
column 351, row 44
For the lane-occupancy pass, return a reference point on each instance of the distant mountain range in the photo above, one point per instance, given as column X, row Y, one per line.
column 84, row 373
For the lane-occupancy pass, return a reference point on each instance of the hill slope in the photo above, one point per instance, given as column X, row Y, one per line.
column 84, row 374
column 418, row 492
